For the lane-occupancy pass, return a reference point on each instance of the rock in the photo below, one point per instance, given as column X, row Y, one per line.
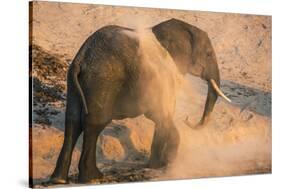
column 128, row 139
column 110, row 149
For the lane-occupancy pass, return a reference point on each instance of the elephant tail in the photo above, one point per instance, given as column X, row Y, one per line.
column 76, row 70
column 77, row 84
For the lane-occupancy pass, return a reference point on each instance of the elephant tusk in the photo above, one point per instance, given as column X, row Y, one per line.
column 217, row 89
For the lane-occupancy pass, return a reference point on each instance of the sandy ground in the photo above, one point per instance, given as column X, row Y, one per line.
column 236, row 141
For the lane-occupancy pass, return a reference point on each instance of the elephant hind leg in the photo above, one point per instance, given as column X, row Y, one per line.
column 171, row 150
column 101, row 100
column 165, row 142
column 94, row 124
column 88, row 170
column 73, row 129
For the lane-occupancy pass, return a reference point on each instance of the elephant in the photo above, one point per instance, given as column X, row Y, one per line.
column 105, row 82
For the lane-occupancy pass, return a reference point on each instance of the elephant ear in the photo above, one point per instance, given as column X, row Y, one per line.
column 198, row 43
column 198, row 53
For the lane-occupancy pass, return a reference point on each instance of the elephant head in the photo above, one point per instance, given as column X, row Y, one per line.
column 193, row 53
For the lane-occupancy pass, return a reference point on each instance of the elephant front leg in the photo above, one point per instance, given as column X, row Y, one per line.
column 165, row 144
column 159, row 143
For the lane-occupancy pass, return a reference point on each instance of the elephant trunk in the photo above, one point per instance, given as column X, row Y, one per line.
column 214, row 91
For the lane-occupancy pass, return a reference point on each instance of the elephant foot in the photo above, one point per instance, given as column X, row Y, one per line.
column 157, row 164
column 90, row 179
column 54, row 181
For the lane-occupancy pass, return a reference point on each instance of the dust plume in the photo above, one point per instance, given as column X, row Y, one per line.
column 160, row 78
column 232, row 143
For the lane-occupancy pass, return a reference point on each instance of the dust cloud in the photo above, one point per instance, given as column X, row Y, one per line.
column 232, row 143
column 161, row 80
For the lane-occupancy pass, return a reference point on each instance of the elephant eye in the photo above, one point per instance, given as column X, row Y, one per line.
column 209, row 54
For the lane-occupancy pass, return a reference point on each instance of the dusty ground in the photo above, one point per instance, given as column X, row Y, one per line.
column 237, row 140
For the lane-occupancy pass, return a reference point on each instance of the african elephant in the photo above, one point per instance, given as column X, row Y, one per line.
column 105, row 82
